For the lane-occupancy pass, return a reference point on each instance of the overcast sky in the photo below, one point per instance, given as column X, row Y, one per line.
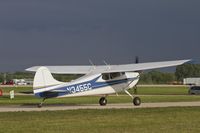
column 70, row 32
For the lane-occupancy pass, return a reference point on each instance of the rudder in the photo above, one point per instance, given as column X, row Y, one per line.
column 43, row 78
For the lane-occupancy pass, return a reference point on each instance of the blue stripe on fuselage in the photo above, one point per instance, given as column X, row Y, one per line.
column 81, row 87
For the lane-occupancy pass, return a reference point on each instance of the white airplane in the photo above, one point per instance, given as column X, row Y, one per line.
column 97, row 80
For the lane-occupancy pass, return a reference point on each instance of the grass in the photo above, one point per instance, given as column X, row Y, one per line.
column 141, row 90
column 24, row 100
column 16, row 89
column 155, row 120
column 162, row 90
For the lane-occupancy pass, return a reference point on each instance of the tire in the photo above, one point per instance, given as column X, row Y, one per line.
column 136, row 101
column 102, row 101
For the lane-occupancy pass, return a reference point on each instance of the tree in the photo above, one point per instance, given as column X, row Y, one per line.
column 187, row 70
column 157, row 77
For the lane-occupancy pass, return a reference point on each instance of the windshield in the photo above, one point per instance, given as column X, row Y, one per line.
column 108, row 76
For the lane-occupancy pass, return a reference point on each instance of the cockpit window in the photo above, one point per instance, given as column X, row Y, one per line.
column 108, row 76
column 114, row 75
column 122, row 73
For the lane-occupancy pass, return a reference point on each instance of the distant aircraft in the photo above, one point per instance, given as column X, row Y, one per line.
column 97, row 80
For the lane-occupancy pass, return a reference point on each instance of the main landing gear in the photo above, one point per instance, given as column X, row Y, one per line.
column 136, row 100
column 103, row 101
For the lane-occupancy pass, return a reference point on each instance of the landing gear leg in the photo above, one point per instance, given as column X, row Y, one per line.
column 136, row 100
column 135, row 89
column 103, row 101
column 40, row 105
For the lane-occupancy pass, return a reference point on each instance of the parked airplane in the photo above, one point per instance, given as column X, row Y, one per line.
column 97, row 80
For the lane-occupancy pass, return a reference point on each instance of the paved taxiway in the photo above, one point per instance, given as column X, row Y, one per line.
column 16, row 108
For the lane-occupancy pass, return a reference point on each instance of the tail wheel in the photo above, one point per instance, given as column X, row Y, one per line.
column 136, row 101
column 40, row 105
column 102, row 101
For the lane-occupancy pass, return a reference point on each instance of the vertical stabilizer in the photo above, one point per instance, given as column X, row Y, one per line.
column 43, row 78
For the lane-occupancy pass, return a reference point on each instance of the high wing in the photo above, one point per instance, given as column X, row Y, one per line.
column 109, row 68
column 65, row 69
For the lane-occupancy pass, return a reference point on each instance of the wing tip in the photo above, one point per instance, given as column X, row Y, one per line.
column 190, row 61
column 32, row 69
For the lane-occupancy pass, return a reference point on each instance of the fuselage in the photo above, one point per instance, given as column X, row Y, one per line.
column 92, row 84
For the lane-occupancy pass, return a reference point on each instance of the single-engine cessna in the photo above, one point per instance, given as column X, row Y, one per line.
column 97, row 80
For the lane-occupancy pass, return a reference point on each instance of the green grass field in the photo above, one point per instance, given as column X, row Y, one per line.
column 16, row 89
column 162, row 90
column 156, row 120
column 148, row 120
column 141, row 90
column 25, row 100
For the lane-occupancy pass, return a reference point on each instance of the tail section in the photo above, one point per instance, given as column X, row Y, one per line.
column 43, row 78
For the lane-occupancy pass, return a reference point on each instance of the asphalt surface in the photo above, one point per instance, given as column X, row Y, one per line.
column 26, row 108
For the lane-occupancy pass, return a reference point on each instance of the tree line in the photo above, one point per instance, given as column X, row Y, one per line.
column 182, row 71
column 151, row 77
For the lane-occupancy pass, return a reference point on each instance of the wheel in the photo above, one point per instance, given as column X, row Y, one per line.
column 136, row 101
column 102, row 101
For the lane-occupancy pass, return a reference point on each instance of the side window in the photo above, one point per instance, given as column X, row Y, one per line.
column 106, row 76
column 114, row 75
column 122, row 73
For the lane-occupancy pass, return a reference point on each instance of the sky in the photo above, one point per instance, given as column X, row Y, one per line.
column 72, row 32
